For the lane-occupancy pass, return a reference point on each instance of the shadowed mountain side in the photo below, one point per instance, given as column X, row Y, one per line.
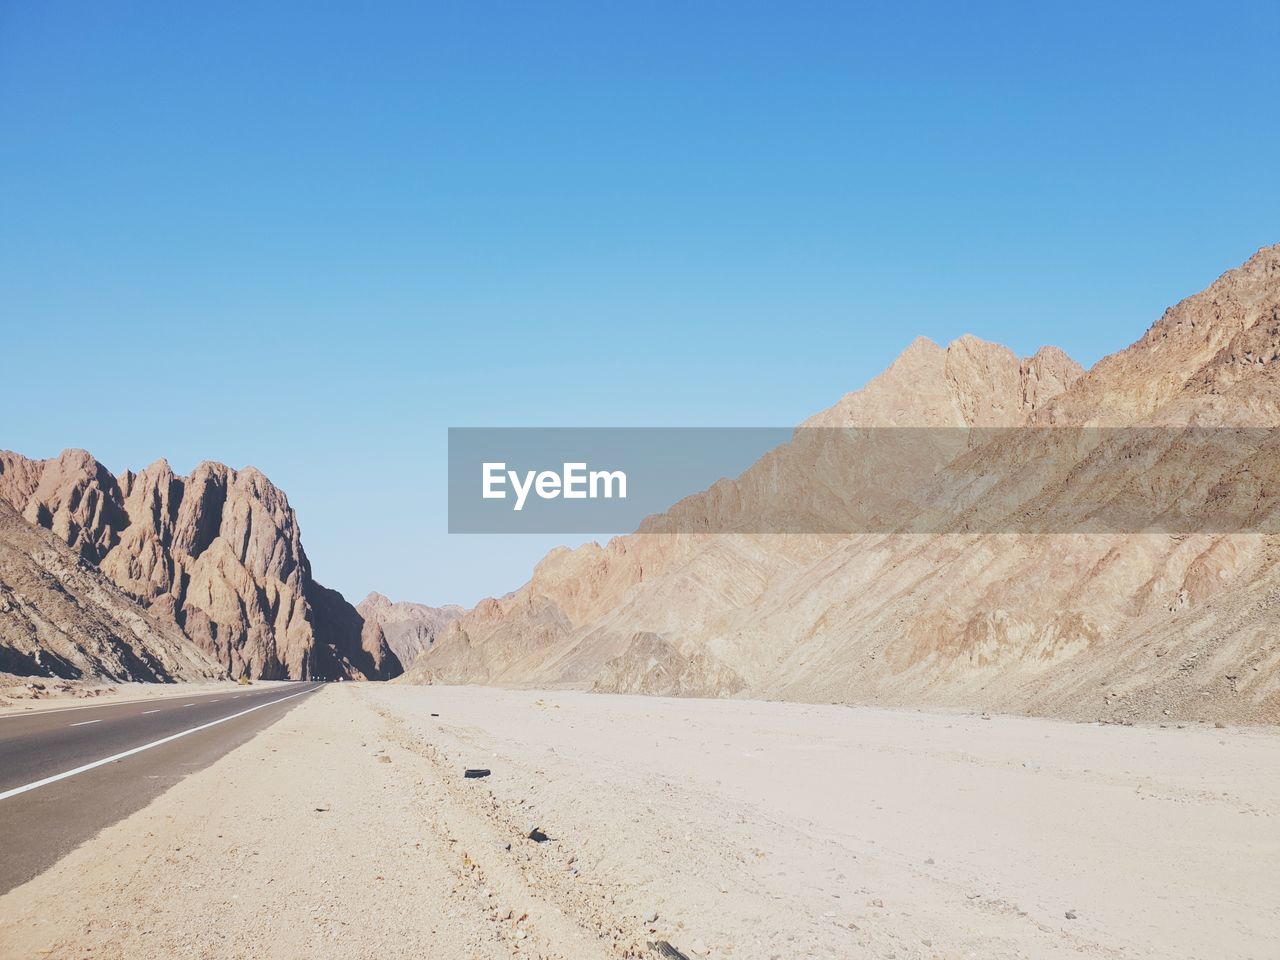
column 337, row 623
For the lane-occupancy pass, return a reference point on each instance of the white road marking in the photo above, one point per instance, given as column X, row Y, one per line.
column 146, row 746
column 188, row 704
column 215, row 701
column 82, row 723
column 27, row 712
column 145, row 712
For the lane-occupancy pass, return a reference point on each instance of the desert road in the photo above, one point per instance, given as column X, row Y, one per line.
column 66, row 774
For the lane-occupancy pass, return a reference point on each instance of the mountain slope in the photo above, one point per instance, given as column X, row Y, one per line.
column 59, row 616
column 1077, row 624
column 582, row 609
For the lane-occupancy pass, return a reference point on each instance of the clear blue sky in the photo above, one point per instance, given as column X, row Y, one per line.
column 311, row 237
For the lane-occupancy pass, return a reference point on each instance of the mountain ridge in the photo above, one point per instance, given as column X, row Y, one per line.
column 1110, row 626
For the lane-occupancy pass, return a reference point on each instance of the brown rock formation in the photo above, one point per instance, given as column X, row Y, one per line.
column 219, row 553
column 1117, row 626
column 62, row 617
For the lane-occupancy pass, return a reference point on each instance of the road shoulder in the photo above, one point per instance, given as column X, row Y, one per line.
column 318, row 826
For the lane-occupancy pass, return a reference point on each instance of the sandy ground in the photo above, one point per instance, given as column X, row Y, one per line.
column 730, row 828
column 28, row 694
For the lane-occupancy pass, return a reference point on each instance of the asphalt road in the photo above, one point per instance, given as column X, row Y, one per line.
column 56, row 790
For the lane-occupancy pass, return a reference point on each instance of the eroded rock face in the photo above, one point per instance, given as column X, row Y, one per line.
column 62, row 617
column 73, row 495
column 219, row 553
column 1087, row 626
column 653, row 666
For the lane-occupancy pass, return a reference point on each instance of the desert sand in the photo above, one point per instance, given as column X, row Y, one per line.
column 731, row 828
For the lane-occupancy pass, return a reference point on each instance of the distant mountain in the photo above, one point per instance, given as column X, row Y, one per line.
column 1101, row 625
column 409, row 629
column 218, row 553
column 62, row 617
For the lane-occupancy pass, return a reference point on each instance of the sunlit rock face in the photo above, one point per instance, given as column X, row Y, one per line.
column 1110, row 625
column 218, row 553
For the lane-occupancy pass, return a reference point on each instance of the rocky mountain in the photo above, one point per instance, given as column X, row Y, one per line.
column 409, row 629
column 219, row 554
column 62, row 617
column 976, row 611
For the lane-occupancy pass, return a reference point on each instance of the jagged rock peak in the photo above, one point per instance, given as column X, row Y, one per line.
column 970, row 382
column 219, row 552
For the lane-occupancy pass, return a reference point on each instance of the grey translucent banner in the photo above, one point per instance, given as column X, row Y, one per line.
column 825, row 480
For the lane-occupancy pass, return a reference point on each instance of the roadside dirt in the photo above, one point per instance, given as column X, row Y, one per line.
column 319, row 838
